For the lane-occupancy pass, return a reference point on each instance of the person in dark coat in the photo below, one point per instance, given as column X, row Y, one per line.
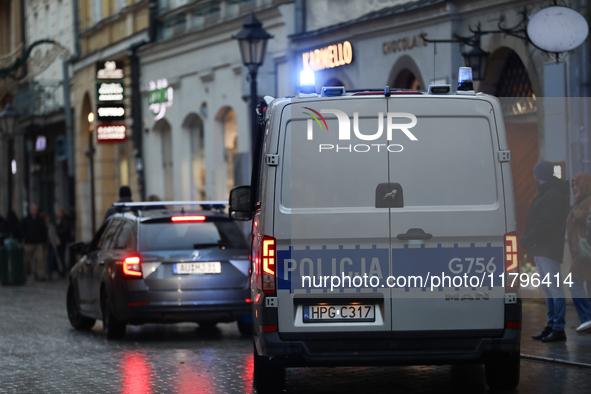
column 64, row 233
column 34, row 233
column 124, row 196
column 544, row 238
column 3, row 230
column 13, row 225
column 580, row 269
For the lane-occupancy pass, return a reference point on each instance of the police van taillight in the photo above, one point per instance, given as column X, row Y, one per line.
column 511, row 261
column 268, row 259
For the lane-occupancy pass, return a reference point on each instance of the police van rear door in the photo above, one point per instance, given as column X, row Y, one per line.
column 447, row 221
column 330, row 236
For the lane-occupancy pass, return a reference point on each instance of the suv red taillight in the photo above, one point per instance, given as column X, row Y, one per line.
column 268, row 266
column 511, row 260
column 132, row 267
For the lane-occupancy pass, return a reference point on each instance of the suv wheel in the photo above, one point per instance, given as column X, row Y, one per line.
column 77, row 321
column 502, row 371
column 113, row 329
column 269, row 378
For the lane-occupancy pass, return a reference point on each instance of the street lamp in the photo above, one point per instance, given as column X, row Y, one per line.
column 252, row 40
column 477, row 59
column 8, row 122
column 8, row 119
column 90, row 154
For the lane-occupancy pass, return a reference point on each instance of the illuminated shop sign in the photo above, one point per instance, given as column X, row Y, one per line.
column 159, row 97
column 41, row 143
column 110, row 133
column 404, row 43
column 328, row 57
column 110, row 91
column 110, row 112
column 109, row 70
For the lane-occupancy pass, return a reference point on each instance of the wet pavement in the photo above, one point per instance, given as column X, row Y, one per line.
column 41, row 353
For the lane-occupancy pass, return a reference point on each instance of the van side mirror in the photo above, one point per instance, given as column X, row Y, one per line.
column 240, row 203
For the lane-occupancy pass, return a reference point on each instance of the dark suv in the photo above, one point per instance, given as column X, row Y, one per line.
column 161, row 265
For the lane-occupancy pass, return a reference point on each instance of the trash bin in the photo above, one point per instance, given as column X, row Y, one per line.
column 11, row 263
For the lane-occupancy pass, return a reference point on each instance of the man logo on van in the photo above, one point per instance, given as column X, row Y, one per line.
column 345, row 130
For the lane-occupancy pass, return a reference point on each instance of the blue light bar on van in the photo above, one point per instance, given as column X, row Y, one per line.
column 465, row 79
column 307, row 78
column 307, row 82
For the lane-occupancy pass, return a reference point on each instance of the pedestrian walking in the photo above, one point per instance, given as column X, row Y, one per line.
column 54, row 262
column 64, row 233
column 3, row 230
column 124, row 196
column 543, row 236
column 34, row 233
column 576, row 227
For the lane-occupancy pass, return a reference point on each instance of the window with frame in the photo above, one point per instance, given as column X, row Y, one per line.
column 126, row 237
column 109, row 234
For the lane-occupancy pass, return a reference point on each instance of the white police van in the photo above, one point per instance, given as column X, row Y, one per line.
column 383, row 230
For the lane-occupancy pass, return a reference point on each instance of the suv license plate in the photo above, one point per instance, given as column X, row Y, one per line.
column 339, row 313
column 212, row 267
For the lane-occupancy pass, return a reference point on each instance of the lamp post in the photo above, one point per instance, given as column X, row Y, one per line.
column 90, row 154
column 252, row 40
column 477, row 59
column 8, row 119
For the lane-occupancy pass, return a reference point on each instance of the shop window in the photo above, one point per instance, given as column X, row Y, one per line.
column 174, row 25
column 123, row 168
column 232, row 8
column 514, row 88
column 195, row 128
column 120, row 4
column 230, row 131
column 205, row 14
column 247, row 4
column 406, row 80
column 96, row 12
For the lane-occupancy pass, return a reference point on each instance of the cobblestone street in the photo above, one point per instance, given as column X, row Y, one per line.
column 41, row 353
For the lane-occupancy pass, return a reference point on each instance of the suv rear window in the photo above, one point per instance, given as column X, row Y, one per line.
column 158, row 235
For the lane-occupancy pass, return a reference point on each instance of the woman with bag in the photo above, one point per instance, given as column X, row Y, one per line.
column 580, row 250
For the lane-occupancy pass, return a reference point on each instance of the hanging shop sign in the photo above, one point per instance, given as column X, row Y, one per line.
column 110, row 91
column 109, row 70
column 557, row 29
column 159, row 97
column 110, row 112
column 106, row 133
column 404, row 43
column 328, row 57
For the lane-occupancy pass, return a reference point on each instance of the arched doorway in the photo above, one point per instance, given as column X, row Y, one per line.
column 162, row 127
column 405, row 74
column 333, row 82
column 406, row 79
column 194, row 126
column 508, row 79
column 226, row 119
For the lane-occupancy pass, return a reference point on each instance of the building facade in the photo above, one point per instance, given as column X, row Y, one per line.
column 40, row 105
column 545, row 101
column 12, row 48
column 101, row 84
column 195, row 96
